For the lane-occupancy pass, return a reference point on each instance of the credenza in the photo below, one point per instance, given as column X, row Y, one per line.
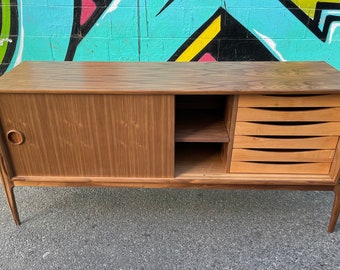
column 229, row 125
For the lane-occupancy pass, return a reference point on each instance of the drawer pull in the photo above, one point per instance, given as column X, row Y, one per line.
column 15, row 137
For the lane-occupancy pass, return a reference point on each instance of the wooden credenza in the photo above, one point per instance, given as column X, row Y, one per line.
column 235, row 125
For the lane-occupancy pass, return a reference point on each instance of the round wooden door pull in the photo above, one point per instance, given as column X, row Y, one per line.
column 15, row 137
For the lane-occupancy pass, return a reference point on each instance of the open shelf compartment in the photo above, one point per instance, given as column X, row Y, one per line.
column 201, row 119
column 199, row 159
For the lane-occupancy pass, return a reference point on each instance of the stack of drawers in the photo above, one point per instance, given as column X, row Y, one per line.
column 286, row 134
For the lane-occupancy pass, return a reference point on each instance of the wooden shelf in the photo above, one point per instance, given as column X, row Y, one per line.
column 200, row 126
column 199, row 159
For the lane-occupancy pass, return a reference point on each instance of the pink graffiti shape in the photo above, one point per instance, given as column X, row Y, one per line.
column 207, row 57
column 87, row 9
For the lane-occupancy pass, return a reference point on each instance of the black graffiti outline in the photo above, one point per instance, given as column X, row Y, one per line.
column 313, row 24
column 228, row 40
column 165, row 6
column 13, row 36
column 79, row 31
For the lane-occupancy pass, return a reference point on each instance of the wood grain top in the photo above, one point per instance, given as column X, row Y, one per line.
column 171, row 78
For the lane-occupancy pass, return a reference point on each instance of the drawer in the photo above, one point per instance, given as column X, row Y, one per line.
column 289, row 129
column 287, row 168
column 283, row 155
column 286, row 134
column 329, row 142
column 289, row 100
column 285, row 114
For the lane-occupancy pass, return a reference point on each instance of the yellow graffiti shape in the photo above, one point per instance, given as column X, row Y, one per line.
column 203, row 40
column 309, row 6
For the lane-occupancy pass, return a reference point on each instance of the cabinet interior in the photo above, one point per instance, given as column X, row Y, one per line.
column 201, row 134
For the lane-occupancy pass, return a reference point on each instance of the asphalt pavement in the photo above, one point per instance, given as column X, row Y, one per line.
column 117, row 228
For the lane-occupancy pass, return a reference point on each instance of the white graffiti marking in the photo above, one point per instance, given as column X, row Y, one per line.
column 21, row 38
column 271, row 44
column 334, row 25
column 3, row 40
column 114, row 5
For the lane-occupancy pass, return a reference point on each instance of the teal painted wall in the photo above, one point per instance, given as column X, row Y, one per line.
column 161, row 30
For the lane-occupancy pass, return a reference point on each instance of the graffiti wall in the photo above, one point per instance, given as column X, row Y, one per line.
column 169, row 30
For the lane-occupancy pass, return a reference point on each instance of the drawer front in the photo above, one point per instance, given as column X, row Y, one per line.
column 291, row 129
column 284, row 155
column 289, row 101
column 329, row 142
column 287, row 114
column 286, row 134
column 288, row 168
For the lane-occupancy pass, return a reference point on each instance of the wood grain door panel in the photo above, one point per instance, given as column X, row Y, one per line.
column 90, row 135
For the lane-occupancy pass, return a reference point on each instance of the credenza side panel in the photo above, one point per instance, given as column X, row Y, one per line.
column 90, row 135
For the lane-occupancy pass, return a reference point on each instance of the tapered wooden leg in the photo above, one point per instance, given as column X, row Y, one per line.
column 335, row 210
column 12, row 204
column 10, row 196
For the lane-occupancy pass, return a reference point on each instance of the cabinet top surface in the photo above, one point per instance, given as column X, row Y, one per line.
column 171, row 78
